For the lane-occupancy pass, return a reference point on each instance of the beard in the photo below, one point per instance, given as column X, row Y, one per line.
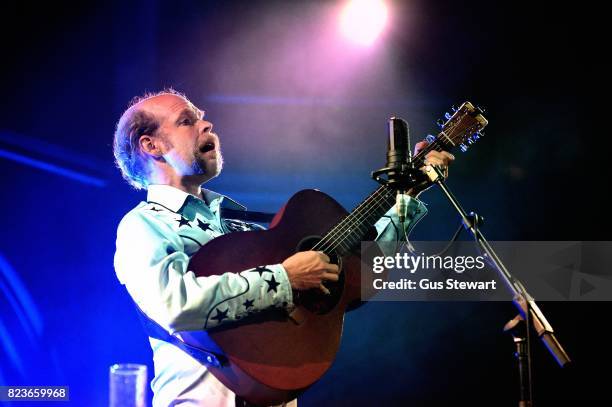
column 207, row 166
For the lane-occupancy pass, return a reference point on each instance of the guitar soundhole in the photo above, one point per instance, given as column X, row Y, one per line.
column 315, row 300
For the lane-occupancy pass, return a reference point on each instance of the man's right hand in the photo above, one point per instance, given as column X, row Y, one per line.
column 309, row 269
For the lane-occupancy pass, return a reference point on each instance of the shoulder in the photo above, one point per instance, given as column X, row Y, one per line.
column 146, row 217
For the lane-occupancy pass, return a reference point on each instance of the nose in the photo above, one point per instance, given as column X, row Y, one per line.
column 206, row 126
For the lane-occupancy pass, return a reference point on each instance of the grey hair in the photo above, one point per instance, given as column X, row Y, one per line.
column 133, row 124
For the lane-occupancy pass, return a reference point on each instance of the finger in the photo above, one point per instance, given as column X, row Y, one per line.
column 330, row 276
column 324, row 257
column 448, row 155
column 435, row 161
column 419, row 146
column 441, row 158
column 446, row 160
column 332, row 268
column 437, row 155
column 324, row 289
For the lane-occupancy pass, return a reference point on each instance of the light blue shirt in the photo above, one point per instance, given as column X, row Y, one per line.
column 155, row 242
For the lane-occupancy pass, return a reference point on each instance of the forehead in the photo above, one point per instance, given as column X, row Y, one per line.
column 165, row 106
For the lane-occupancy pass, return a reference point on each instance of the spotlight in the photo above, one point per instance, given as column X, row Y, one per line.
column 362, row 21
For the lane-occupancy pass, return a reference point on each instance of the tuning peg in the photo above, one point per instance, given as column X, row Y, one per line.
column 476, row 136
column 463, row 147
column 440, row 123
column 430, row 139
column 454, row 108
column 447, row 115
column 481, row 109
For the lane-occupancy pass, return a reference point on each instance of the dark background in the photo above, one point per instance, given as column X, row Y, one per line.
column 296, row 107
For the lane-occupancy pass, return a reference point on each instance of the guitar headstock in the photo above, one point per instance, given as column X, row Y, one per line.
column 463, row 127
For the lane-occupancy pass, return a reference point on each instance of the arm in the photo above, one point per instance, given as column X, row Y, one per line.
column 389, row 228
column 150, row 261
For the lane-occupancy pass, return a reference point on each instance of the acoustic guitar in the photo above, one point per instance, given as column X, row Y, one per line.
column 272, row 356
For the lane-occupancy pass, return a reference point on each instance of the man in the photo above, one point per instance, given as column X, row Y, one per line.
column 164, row 144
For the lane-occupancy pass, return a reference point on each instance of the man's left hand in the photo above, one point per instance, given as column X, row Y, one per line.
column 440, row 158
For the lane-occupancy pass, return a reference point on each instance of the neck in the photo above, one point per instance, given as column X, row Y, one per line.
column 190, row 184
column 193, row 189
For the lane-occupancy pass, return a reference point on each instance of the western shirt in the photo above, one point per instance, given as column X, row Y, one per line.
column 155, row 242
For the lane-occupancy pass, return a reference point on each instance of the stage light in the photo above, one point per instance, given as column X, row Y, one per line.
column 362, row 21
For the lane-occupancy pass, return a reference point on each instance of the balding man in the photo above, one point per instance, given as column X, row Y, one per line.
column 164, row 144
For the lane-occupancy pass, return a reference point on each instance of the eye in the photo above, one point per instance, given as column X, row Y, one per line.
column 186, row 122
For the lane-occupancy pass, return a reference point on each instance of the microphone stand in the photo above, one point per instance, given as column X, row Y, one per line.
column 529, row 312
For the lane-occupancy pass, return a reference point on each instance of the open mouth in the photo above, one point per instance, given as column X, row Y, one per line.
column 207, row 147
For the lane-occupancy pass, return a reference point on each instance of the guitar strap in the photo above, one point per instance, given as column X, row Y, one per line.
column 248, row 216
column 154, row 330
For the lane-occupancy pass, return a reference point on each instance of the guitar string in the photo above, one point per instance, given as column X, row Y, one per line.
column 357, row 218
column 334, row 235
column 337, row 230
column 354, row 219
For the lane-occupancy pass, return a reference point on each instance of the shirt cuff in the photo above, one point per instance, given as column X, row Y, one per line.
column 416, row 211
column 388, row 227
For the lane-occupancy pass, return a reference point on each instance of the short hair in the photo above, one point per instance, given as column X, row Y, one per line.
column 134, row 123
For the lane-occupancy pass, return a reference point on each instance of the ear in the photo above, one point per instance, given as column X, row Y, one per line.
column 150, row 146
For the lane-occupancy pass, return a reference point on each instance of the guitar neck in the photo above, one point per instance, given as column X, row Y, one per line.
column 348, row 234
column 463, row 126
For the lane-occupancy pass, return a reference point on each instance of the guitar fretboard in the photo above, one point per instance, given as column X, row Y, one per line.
column 349, row 233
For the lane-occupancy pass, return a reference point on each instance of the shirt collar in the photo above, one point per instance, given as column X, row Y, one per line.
column 174, row 199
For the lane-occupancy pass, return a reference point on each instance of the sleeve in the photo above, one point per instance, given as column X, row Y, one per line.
column 389, row 228
column 150, row 261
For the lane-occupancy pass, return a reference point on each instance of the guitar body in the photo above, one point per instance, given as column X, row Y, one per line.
column 272, row 357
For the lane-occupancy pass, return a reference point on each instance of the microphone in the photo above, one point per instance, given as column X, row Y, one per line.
column 399, row 155
column 398, row 148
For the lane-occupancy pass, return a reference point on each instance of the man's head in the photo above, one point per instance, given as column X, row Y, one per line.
column 162, row 138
